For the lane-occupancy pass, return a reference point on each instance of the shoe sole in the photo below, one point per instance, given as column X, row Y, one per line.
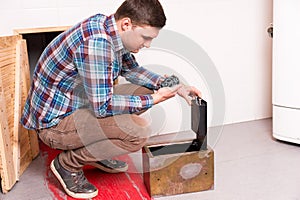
column 109, row 170
column 70, row 193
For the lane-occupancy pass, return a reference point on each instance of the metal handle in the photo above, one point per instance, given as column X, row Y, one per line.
column 270, row 30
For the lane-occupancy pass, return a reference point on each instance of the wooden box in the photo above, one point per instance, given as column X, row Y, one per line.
column 171, row 169
column 174, row 165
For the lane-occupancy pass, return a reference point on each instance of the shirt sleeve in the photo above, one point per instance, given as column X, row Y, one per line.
column 138, row 75
column 93, row 60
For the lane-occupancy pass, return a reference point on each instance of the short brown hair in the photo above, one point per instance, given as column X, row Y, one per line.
column 142, row 12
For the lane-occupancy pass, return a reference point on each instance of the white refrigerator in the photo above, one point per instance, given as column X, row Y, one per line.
column 286, row 70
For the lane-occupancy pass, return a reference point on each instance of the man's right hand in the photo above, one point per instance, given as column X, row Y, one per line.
column 165, row 93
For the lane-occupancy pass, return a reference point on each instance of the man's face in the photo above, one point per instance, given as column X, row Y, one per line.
column 137, row 37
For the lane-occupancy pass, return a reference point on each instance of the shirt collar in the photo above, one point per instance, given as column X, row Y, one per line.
column 112, row 30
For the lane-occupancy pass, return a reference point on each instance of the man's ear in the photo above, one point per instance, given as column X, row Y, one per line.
column 126, row 24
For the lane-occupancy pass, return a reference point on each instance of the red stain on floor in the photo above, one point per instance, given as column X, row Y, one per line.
column 120, row 186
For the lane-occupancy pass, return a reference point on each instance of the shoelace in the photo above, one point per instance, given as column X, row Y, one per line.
column 113, row 162
column 79, row 178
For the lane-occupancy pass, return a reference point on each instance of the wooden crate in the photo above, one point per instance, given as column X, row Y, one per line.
column 18, row 146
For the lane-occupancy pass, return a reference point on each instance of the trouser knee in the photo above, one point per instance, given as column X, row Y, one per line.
column 136, row 146
column 135, row 142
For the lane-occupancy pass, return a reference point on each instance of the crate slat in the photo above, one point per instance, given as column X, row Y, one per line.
column 4, row 57
column 17, row 114
column 7, row 173
column 9, row 41
column 7, row 62
column 25, row 80
column 7, row 50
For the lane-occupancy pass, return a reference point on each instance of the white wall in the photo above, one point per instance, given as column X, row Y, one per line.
column 232, row 32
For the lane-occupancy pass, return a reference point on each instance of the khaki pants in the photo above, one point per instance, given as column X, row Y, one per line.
column 85, row 138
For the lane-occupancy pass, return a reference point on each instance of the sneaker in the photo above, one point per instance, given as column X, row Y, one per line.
column 74, row 183
column 111, row 166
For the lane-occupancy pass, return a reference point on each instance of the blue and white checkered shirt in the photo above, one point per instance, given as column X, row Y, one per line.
column 78, row 68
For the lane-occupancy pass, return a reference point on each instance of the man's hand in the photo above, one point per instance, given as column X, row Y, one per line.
column 188, row 92
column 165, row 93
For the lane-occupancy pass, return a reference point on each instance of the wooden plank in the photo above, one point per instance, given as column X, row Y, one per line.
column 25, row 68
column 7, row 62
column 41, row 30
column 17, row 111
column 34, row 143
column 7, row 91
column 8, row 69
column 9, row 41
column 8, row 177
column 181, row 136
column 7, row 56
column 8, row 80
column 25, row 160
column 7, row 50
column 25, row 72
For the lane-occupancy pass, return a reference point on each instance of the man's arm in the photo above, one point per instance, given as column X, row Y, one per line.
column 165, row 93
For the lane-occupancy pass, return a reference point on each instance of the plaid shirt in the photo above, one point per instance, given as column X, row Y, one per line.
column 78, row 68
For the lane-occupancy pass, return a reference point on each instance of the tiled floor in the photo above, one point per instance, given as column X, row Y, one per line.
column 249, row 164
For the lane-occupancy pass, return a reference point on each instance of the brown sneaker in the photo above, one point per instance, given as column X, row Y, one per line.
column 74, row 183
column 111, row 166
